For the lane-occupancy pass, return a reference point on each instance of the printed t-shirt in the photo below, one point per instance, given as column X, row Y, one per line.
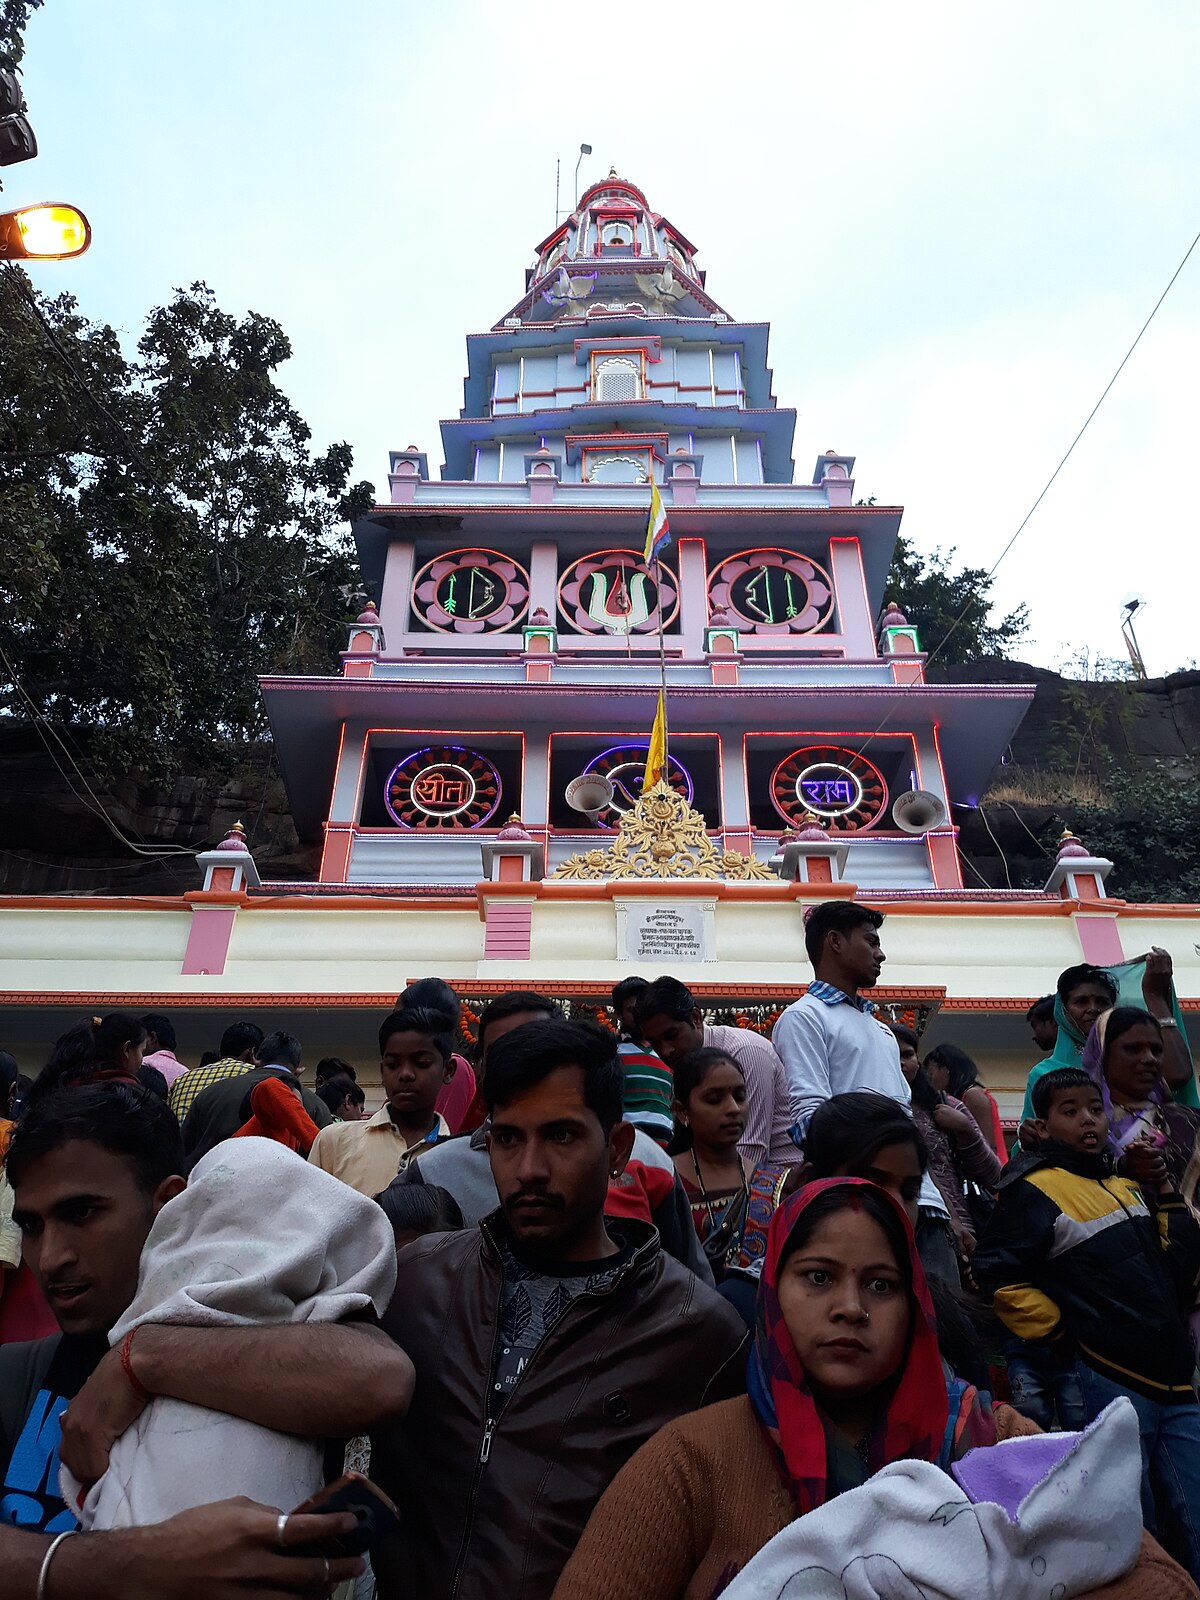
column 37, row 1382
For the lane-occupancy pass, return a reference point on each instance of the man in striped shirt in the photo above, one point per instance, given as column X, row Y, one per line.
column 649, row 1085
column 671, row 1022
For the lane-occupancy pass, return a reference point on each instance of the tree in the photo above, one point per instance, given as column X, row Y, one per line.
column 1146, row 825
column 951, row 610
column 171, row 532
column 14, row 18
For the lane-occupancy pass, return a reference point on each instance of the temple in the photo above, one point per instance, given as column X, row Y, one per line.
column 473, row 774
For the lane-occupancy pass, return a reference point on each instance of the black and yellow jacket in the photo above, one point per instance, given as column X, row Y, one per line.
column 1074, row 1252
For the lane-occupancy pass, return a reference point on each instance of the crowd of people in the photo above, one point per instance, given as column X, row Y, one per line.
column 624, row 1313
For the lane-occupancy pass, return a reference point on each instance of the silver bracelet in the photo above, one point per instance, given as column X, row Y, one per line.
column 1167, row 1022
column 44, row 1574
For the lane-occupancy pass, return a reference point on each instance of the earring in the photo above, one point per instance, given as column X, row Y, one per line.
column 615, row 1173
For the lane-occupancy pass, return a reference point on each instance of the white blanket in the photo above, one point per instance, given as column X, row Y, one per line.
column 258, row 1238
column 911, row 1533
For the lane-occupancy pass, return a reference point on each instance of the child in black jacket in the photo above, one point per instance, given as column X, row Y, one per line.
column 1080, row 1258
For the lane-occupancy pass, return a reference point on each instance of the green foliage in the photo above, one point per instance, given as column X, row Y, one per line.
column 940, row 602
column 1147, row 826
column 14, row 19
column 1092, row 729
column 168, row 539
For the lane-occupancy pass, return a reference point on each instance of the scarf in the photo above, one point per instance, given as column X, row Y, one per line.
column 814, row 1459
column 1070, row 1044
column 276, row 1113
column 1172, row 1126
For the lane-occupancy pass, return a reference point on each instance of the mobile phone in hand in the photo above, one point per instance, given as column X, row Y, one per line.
column 374, row 1514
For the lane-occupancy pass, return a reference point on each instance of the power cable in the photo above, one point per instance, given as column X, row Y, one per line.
column 932, row 656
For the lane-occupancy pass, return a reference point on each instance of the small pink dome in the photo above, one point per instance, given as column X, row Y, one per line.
column 720, row 618
column 812, row 832
column 235, row 839
column 539, row 616
column 368, row 616
column 412, row 450
column 1070, row 846
column 893, row 617
column 544, row 451
column 513, row 832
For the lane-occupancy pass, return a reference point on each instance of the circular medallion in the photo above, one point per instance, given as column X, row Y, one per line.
column 612, row 592
column 471, row 591
column 625, row 768
column 441, row 787
column 773, row 591
column 839, row 786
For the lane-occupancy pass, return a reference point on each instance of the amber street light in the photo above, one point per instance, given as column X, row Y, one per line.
column 44, row 232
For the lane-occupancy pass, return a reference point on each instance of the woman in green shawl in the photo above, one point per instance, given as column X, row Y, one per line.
column 1085, row 991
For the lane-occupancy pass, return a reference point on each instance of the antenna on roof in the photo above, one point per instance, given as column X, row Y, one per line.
column 557, row 172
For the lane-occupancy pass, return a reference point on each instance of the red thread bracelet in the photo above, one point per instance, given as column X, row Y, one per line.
column 135, row 1383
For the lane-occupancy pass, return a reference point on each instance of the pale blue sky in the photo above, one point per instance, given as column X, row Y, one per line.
column 956, row 218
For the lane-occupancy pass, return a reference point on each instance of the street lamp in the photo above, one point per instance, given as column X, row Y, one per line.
column 584, row 150
column 43, row 232
column 17, row 142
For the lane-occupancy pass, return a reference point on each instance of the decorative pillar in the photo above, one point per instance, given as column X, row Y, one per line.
column 898, row 639
column 513, row 857
column 854, row 611
column 721, row 649
column 365, row 645
column 228, row 870
column 542, row 478
column 409, row 467
column 541, row 647
column 809, row 855
column 1079, row 876
column 693, row 597
column 833, row 474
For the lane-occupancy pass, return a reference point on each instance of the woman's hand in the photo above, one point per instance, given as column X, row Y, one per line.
column 1143, row 1162
column 1156, row 982
column 951, row 1120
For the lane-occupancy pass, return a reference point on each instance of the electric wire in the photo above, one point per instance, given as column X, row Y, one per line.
column 991, row 572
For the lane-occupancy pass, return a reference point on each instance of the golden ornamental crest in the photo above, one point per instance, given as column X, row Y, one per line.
column 662, row 837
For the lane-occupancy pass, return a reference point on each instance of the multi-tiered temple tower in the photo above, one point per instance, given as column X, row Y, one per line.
column 516, row 641
column 516, row 645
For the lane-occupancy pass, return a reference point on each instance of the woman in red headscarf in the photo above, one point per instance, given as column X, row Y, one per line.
column 844, row 1378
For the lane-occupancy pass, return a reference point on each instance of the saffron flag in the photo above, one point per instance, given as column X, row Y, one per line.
column 658, row 535
column 656, row 756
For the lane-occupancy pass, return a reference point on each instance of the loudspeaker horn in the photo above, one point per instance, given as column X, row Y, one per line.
column 589, row 793
column 916, row 811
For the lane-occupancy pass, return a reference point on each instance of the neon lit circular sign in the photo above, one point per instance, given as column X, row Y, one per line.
column 625, row 768
column 442, row 787
column 471, row 591
column 773, row 591
column 611, row 592
column 841, row 787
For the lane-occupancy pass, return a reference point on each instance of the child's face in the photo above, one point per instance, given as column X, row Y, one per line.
column 843, row 1299
column 1076, row 1118
column 896, row 1168
column 413, row 1073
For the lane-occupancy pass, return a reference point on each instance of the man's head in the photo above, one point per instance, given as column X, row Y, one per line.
column 625, row 996
column 90, row 1169
column 509, row 1011
column 334, row 1067
column 554, row 1091
column 1068, row 1108
column 279, row 1050
column 343, row 1097
column 10, row 1074
column 432, row 994
column 669, row 1020
column 240, row 1041
column 1042, row 1025
column 160, row 1032
column 842, row 940
column 1085, row 992
column 910, row 1062
column 415, row 1050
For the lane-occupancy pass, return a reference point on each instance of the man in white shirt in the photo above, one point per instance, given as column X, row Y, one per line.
column 671, row 1023
column 831, row 1043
